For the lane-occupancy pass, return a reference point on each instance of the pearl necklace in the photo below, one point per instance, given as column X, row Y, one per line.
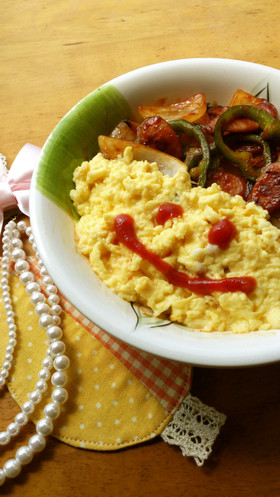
column 48, row 310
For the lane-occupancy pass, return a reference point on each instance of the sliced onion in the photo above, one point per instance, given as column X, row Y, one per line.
column 114, row 147
column 191, row 109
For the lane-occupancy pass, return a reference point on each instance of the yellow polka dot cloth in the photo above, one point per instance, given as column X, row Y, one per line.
column 118, row 395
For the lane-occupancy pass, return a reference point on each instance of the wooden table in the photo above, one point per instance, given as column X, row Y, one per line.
column 51, row 55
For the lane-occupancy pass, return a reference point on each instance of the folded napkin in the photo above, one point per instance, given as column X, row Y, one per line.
column 118, row 395
column 15, row 182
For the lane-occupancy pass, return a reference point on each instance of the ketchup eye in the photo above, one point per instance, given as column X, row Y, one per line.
column 167, row 210
column 222, row 233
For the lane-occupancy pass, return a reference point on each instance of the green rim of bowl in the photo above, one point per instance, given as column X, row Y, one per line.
column 75, row 139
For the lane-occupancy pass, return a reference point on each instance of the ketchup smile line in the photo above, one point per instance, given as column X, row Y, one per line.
column 125, row 233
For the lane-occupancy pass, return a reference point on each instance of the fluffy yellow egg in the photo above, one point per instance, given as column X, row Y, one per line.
column 106, row 188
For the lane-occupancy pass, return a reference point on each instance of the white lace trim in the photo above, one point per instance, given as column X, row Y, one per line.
column 194, row 428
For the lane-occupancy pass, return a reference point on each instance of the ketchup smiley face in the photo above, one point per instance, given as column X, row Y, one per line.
column 220, row 234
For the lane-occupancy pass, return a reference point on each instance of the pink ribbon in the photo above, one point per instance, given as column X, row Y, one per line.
column 15, row 182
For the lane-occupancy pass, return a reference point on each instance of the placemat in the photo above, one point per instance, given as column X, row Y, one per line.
column 118, row 395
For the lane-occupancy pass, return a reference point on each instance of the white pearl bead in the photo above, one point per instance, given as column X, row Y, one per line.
column 21, row 419
column 28, row 407
column 35, row 397
column 57, row 348
column 21, row 266
column 45, row 320
column 6, row 248
column 24, row 455
column 44, row 427
column 11, row 225
column 18, row 254
column 2, row 381
column 53, row 299
column 12, row 334
column 26, row 277
column 51, row 289
column 28, row 231
column 5, row 438
column 7, row 365
column 37, row 443
column 32, row 287
column 12, row 342
column 56, row 320
column 12, row 468
column 59, row 395
column 21, row 226
column 9, row 349
column 59, row 379
column 47, row 280
column 13, row 429
column 37, row 297
column 16, row 243
column 52, row 410
column 43, row 272
column 12, row 327
column 54, row 333
column 41, row 386
column 8, row 356
column 11, row 314
column 61, row 362
column 42, row 308
column 47, row 362
column 4, row 373
column 44, row 374
column 56, row 309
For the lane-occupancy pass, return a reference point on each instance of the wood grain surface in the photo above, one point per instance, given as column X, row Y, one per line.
column 52, row 53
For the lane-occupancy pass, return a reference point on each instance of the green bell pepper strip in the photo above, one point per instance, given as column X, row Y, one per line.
column 198, row 172
column 269, row 125
column 251, row 138
column 195, row 156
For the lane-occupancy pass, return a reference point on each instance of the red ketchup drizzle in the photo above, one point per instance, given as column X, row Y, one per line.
column 167, row 210
column 222, row 233
column 125, row 233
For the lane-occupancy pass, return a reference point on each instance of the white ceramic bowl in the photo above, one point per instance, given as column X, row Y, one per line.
column 74, row 140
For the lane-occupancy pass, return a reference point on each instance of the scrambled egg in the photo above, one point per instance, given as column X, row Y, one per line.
column 105, row 188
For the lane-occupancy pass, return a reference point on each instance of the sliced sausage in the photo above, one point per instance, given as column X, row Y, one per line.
column 266, row 191
column 155, row 132
column 230, row 183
